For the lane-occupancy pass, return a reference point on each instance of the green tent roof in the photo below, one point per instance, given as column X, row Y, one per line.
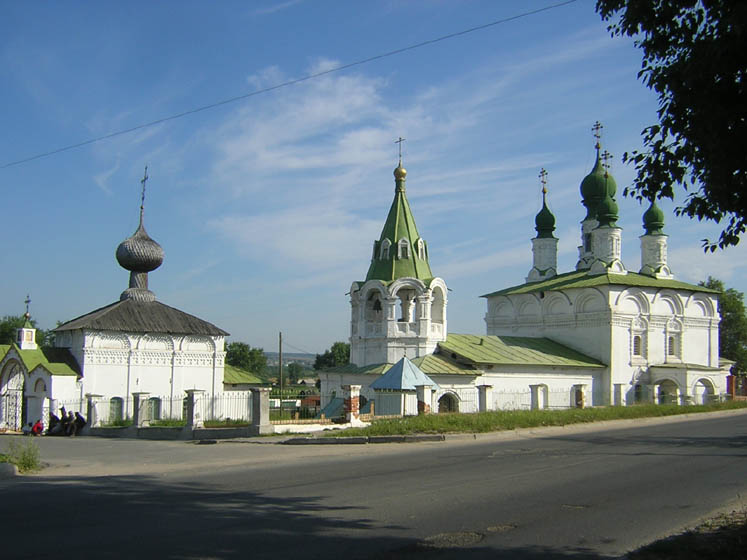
column 57, row 361
column 582, row 279
column 236, row 375
column 392, row 263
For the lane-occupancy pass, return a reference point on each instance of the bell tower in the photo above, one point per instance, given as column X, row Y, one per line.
column 399, row 310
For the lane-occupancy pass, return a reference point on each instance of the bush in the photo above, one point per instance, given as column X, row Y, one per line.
column 24, row 455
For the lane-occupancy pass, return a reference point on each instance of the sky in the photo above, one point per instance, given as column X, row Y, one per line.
column 267, row 208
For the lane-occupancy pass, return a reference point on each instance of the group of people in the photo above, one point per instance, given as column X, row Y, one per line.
column 68, row 424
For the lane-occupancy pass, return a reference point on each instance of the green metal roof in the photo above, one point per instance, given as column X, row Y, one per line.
column 513, row 350
column 57, row 361
column 582, row 279
column 399, row 225
column 235, row 375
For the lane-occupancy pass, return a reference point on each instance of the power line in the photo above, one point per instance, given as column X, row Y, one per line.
column 286, row 84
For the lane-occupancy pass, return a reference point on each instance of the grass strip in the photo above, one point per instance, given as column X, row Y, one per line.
column 499, row 420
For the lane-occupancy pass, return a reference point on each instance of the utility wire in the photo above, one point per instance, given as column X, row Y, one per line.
column 288, row 83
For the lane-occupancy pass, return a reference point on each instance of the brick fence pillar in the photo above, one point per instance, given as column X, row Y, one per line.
column 261, row 411
column 194, row 409
column 139, row 419
column 351, row 399
column 425, row 398
column 484, row 397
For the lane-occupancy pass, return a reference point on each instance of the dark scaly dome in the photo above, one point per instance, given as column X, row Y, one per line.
column 544, row 221
column 140, row 253
column 595, row 186
column 653, row 220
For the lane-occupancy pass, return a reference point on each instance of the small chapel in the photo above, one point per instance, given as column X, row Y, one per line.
column 601, row 334
column 136, row 347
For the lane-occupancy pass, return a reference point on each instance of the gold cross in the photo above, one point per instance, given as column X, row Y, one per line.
column 597, row 131
column 400, row 147
column 543, row 180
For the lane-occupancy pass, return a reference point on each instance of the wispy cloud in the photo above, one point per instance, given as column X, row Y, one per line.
column 276, row 7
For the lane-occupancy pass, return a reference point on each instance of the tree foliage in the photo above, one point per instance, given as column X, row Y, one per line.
column 695, row 59
column 295, row 371
column 732, row 338
column 240, row 354
column 337, row 355
column 10, row 324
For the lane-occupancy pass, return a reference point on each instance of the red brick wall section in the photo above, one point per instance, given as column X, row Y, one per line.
column 423, row 408
column 352, row 405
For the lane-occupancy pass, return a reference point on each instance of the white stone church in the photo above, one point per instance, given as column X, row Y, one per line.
column 598, row 335
column 134, row 346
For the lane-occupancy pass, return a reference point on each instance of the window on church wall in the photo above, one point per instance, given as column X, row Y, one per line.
column 672, row 345
column 587, row 242
column 637, row 350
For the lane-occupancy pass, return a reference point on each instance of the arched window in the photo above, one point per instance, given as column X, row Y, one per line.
column 421, row 250
column 384, row 249
column 637, row 345
column 672, row 345
column 403, row 249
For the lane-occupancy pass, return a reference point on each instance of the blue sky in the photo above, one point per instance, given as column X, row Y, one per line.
column 267, row 208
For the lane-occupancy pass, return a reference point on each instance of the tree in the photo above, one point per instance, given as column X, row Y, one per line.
column 240, row 354
column 337, row 355
column 294, row 371
column 695, row 58
column 732, row 337
column 10, row 324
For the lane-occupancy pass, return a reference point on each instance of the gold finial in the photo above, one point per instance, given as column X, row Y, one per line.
column 543, row 180
column 27, row 302
column 597, row 131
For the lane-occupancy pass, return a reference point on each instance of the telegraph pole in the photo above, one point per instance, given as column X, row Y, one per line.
column 280, row 369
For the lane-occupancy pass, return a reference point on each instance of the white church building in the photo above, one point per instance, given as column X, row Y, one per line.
column 598, row 335
column 134, row 346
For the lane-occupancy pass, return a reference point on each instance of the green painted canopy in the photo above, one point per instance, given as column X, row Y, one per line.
column 400, row 252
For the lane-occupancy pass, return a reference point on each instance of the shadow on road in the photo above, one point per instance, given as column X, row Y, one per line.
column 147, row 517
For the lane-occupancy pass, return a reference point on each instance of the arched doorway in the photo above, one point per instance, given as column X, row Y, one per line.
column 448, row 403
column 667, row 392
column 11, row 396
column 703, row 392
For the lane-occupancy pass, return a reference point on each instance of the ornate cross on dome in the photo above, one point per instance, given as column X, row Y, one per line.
column 400, row 147
column 597, row 131
column 142, row 182
column 606, row 157
column 543, row 180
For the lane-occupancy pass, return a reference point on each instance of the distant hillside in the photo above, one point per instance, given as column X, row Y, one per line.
column 306, row 360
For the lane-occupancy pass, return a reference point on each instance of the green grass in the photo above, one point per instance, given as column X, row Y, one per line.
column 227, row 423
column 495, row 421
column 24, row 455
column 121, row 423
column 168, row 423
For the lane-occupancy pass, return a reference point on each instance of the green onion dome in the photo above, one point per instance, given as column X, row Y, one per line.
column 607, row 212
column 653, row 220
column 544, row 221
column 595, row 186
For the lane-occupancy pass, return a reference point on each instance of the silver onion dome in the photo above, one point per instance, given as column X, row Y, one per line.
column 140, row 253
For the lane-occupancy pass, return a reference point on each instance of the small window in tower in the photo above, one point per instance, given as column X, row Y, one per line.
column 421, row 250
column 404, row 249
column 587, row 242
column 377, row 305
column 384, row 252
column 672, row 345
column 637, row 345
column 20, row 335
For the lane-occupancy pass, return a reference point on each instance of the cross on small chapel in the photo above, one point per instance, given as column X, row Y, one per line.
column 606, row 157
column 143, row 181
column 597, row 131
column 27, row 302
column 543, row 180
column 400, row 147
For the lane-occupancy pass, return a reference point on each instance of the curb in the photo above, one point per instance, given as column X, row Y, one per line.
column 363, row 440
column 8, row 470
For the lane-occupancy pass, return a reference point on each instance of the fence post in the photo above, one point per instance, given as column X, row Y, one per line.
column 261, row 411
column 92, row 415
column 138, row 418
column 425, row 398
column 484, row 397
column 351, row 399
column 194, row 414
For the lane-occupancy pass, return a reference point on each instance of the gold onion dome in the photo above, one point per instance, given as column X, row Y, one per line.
column 400, row 173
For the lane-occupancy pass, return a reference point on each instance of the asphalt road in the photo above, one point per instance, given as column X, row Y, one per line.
column 552, row 493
